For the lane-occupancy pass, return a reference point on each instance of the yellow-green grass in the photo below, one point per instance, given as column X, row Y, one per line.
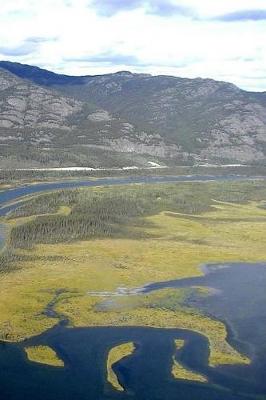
column 43, row 355
column 62, row 210
column 115, row 355
column 180, row 372
column 178, row 245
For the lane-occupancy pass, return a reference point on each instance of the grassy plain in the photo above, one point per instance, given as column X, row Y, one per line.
column 171, row 232
column 115, row 355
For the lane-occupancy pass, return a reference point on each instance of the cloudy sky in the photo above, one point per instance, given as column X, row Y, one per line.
column 220, row 39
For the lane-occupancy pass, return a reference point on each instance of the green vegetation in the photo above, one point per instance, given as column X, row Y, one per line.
column 116, row 213
column 115, row 355
column 43, row 355
column 180, row 372
column 97, row 240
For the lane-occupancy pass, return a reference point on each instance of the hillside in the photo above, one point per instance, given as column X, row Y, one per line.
column 125, row 119
column 40, row 127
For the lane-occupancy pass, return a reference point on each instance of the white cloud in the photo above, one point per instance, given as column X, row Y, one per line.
column 175, row 44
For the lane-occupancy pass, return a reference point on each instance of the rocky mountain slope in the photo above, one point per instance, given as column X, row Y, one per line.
column 126, row 119
column 41, row 127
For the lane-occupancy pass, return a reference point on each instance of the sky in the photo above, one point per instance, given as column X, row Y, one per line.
column 218, row 39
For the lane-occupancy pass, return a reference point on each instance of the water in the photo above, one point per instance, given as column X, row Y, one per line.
column 237, row 296
column 239, row 300
column 145, row 375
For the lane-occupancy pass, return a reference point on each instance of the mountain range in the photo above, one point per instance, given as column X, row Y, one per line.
column 125, row 119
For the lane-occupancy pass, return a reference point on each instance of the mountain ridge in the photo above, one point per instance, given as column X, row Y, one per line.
column 33, row 72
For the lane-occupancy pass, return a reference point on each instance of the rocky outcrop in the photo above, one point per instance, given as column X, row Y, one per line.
column 24, row 105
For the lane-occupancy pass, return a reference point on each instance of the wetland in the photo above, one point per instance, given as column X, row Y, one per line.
column 134, row 288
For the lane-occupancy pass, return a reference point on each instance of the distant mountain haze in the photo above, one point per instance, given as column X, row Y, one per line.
column 125, row 119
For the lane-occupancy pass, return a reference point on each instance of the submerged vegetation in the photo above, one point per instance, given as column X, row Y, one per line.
column 75, row 242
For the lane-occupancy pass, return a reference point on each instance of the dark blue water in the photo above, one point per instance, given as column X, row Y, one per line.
column 146, row 374
column 239, row 299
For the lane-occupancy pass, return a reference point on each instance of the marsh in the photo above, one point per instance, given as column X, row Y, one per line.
column 85, row 269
